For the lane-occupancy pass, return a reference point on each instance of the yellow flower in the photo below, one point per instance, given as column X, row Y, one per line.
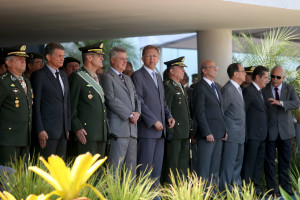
column 40, row 197
column 68, row 183
column 7, row 196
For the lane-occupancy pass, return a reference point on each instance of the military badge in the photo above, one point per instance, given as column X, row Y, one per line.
column 88, row 85
column 13, row 78
column 90, row 96
column 15, row 90
column 12, row 85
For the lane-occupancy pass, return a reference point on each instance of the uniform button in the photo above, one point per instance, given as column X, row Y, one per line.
column 178, row 124
column 104, row 110
column 104, row 120
column 9, row 129
column 84, row 124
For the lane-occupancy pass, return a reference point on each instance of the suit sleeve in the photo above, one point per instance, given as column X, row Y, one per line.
column 112, row 102
column 147, row 115
column 37, row 81
column 293, row 102
column 199, row 96
column 75, row 88
column 226, row 95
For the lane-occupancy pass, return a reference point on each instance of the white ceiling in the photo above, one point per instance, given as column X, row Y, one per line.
column 38, row 22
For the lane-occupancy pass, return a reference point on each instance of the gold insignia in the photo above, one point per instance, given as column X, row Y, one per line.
column 12, row 85
column 23, row 48
column 183, row 59
column 17, row 101
column 88, row 85
column 17, row 105
column 15, row 90
column 101, row 46
column 90, row 96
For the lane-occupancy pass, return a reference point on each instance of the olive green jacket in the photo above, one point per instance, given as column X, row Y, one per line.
column 88, row 111
column 178, row 104
column 15, row 111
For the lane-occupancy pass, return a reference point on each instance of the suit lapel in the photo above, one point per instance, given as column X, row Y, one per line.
column 283, row 92
column 51, row 78
column 211, row 90
column 117, row 79
column 148, row 77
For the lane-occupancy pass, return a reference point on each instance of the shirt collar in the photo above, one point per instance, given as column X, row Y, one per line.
column 115, row 71
column 235, row 84
column 150, row 71
column 208, row 81
column 279, row 87
column 52, row 69
column 257, row 87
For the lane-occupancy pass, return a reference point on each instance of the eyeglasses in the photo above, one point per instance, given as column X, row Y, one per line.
column 149, row 56
column 278, row 77
column 213, row 67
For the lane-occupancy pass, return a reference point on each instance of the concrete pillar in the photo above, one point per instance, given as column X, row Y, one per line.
column 215, row 45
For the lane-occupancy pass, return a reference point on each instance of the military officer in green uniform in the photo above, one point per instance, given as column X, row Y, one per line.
column 177, row 143
column 15, row 106
column 88, row 111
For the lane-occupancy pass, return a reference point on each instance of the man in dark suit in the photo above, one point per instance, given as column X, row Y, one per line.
column 234, row 111
column 124, row 109
column 211, row 128
column 88, row 111
column 15, row 106
column 51, row 108
column 281, row 100
column 155, row 113
column 256, row 132
column 177, row 144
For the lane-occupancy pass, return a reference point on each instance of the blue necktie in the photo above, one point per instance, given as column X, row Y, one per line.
column 214, row 89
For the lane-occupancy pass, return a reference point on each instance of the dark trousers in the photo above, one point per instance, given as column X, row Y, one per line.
column 151, row 154
column 253, row 165
column 176, row 158
column 54, row 146
column 9, row 153
column 284, row 149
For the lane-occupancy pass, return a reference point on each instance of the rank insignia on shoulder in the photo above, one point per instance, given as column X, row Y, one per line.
column 15, row 90
column 12, row 85
column 88, row 85
column 90, row 96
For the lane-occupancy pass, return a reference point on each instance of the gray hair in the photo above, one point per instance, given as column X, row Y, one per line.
column 10, row 58
column 113, row 52
column 278, row 67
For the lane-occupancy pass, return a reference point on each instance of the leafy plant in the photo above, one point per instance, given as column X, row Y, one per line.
column 23, row 182
column 127, row 186
column 188, row 188
column 275, row 48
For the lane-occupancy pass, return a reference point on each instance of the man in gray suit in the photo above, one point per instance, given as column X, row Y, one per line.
column 234, row 111
column 124, row 109
column 256, row 132
column 281, row 100
column 211, row 128
column 155, row 112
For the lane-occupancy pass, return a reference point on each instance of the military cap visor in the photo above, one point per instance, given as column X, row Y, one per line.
column 16, row 51
column 249, row 70
column 33, row 55
column 94, row 48
column 176, row 62
column 69, row 60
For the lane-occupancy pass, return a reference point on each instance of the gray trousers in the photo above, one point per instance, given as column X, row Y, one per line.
column 209, row 158
column 123, row 151
column 231, row 164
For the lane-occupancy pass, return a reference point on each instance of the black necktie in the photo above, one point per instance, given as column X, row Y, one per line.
column 276, row 93
column 57, row 78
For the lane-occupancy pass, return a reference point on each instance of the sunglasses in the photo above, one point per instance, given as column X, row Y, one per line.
column 278, row 77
